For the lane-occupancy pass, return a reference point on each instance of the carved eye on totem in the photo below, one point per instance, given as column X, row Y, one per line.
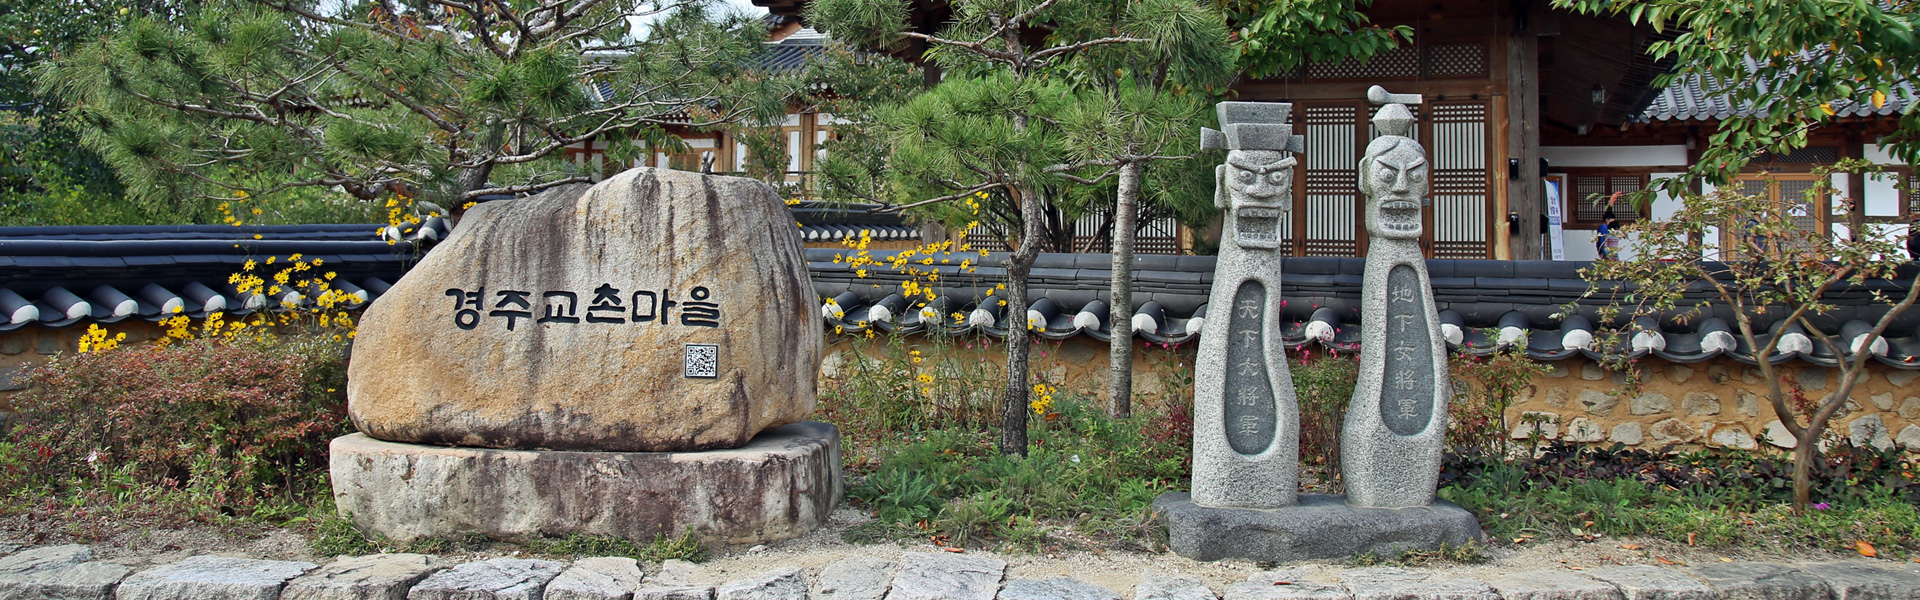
column 1246, row 177
column 1277, row 176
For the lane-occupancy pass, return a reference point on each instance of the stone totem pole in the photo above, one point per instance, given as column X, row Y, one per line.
column 1246, row 442
column 1396, row 424
column 1244, row 502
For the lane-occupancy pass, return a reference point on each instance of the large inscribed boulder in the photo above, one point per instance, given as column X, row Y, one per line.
column 658, row 310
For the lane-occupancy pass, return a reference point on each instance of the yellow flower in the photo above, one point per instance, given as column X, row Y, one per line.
column 256, row 211
column 915, row 354
column 925, row 378
column 270, row 259
column 256, row 236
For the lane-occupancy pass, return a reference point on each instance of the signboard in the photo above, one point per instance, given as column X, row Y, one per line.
column 1556, row 241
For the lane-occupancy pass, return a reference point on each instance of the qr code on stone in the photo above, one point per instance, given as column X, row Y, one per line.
column 703, row 361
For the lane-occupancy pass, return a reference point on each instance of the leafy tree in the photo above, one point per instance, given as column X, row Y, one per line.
column 1146, row 110
column 1791, row 63
column 448, row 100
column 998, row 126
column 1773, row 267
column 1277, row 36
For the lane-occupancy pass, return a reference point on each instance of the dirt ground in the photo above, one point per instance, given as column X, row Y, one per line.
column 1118, row 571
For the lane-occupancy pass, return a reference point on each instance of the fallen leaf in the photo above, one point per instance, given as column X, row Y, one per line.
column 1629, row 546
column 1283, row 583
column 1663, row 560
column 1690, row 535
column 1519, row 540
column 954, row 550
column 1575, row 568
column 1865, row 549
column 1725, row 559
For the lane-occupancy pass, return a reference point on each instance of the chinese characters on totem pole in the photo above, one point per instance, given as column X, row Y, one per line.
column 1246, row 418
column 1391, row 444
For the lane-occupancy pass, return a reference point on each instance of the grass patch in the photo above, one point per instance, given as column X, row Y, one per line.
column 1709, row 499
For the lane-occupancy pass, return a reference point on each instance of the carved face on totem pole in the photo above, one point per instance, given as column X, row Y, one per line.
column 1255, row 185
column 1393, row 176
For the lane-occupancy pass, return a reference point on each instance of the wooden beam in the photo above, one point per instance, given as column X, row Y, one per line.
column 1524, row 194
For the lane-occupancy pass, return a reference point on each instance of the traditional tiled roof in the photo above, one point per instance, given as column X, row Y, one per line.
column 1484, row 304
column 831, row 222
column 59, row 276
column 1697, row 98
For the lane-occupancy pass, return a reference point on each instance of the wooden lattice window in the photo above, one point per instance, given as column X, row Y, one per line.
column 1454, row 60
column 1910, row 193
column 1786, row 190
column 1588, row 194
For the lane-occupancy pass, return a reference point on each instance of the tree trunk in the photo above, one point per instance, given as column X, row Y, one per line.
column 1013, row 411
column 1120, row 347
column 1803, row 457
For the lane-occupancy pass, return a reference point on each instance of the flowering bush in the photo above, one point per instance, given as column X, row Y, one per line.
column 235, row 418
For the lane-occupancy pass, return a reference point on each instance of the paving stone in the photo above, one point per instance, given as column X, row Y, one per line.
column 497, row 579
column 45, row 558
column 674, row 592
column 927, row 576
column 1391, row 583
column 213, row 578
column 1882, row 401
column 856, row 579
column 1055, row 588
column 371, row 577
column 1285, row 585
column 1855, row 581
column 1762, row 581
column 782, row 584
column 602, row 578
column 1910, row 408
column 1552, row 585
column 1162, row 586
column 58, row 573
column 1648, row 582
column 676, row 572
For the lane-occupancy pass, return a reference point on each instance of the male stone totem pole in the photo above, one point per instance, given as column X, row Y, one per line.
column 1396, row 425
column 1246, row 419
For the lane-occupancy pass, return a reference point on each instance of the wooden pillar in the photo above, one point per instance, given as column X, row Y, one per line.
column 1856, row 188
column 1524, row 193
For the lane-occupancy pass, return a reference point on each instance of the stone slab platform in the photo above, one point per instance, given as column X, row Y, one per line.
column 1321, row 526
column 782, row 484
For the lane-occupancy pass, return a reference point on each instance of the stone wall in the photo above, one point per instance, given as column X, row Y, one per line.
column 1720, row 403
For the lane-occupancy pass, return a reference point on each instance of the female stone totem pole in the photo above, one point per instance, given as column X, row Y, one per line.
column 1396, row 425
column 1246, row 420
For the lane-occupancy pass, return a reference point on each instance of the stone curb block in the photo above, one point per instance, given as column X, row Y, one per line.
column 213, row 578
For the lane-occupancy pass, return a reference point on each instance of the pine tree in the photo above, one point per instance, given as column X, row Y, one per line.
column 445, row 100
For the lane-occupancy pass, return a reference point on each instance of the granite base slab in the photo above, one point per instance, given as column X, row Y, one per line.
column 1321, row 526
column 781, row 485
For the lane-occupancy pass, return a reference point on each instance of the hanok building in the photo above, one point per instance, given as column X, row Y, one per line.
column 1513, row 88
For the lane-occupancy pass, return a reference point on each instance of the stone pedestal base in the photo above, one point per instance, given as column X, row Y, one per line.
column 1321, row 526
column 780, row 485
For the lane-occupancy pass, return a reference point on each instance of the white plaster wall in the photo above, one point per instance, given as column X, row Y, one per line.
column 1613, row 156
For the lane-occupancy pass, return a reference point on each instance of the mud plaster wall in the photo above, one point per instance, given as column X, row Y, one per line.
column 1721, row 403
